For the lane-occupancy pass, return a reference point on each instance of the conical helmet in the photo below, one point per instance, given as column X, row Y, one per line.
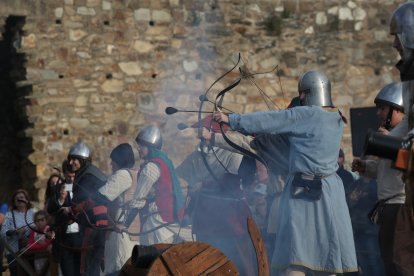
column 316, row 88
column 80, row 150
column 402, row 24
column 150, row 136
column 391, row 95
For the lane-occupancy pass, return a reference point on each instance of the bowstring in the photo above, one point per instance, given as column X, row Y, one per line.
column 202, row 144
column 246, row 74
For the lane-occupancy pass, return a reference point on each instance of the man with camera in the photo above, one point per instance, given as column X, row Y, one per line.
column 390, row 186
column 68, row 239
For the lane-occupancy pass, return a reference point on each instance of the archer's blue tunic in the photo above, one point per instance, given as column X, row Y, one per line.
column 314, row 234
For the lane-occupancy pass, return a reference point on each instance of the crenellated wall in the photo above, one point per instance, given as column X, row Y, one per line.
column 99, row 70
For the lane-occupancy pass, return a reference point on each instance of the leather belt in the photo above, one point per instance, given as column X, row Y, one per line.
column 313, row 177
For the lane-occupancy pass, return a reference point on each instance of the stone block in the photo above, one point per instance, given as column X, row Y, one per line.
column 83, row 55
column 48, row 74
column 106, row 5
column 142, row 15
column 86, row 11
column 81, row 101
column 76, row 35
column 359, row 14
column 93, row 3
column 158, row 30
column 190, row 65
column 112, row 86
column 59, row 12
column 142, row 46
column 345, row 13
column 79, row 123
column 55, row 146
column 321, row 18
column 130, row 68
column 38, row 158
column 161, row 16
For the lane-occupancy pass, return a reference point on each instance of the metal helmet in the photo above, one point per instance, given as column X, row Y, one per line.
column 391, row 95
column 80, row 150
column 150, row 136
column 317, row 89
column 402, row 24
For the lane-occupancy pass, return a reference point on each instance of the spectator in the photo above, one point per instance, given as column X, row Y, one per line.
column 3, row 211
column 53, row 180
column 15, row 228
column 68, row 242
column 40, row 238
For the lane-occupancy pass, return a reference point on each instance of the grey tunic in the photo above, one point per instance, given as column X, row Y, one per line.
column 313, row 234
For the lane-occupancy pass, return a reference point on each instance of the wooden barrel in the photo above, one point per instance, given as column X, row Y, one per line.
column 191, row 258
column 187, row 258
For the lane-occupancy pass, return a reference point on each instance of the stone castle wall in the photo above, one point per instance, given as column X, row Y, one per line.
column 99, row 70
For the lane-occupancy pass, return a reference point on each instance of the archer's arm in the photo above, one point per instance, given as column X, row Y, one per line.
column 147, row 177
column 217, row 140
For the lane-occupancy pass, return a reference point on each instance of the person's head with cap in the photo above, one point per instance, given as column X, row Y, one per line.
column 122, row 157
column 149, row 140
column 402, row 28
column 315, row 89
column 390, row 105
column 79, row 156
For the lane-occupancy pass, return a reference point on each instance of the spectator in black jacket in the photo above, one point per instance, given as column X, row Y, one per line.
column 68, row 240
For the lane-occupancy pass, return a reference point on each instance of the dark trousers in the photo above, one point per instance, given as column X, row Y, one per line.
column 69, row 254
column 92, row 260
column 386, row 237
column 12, row 266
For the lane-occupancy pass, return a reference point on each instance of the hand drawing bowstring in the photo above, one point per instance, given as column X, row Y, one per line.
column 218, row 105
